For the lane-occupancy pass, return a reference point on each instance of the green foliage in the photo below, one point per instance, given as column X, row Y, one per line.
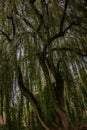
column 46, row 39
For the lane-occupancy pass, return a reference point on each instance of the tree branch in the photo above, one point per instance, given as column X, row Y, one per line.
column 40, row 17
column 13, row 24
column 6, row 35
column 28, row 23
column 61, row 34
column 71, row 50
column 63, row 16
column 58, row 35
column 33, row 100
column 36, row 31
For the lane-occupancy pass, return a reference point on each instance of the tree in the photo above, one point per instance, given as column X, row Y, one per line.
column 43, row 46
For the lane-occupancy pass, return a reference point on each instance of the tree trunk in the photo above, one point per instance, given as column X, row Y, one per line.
column 59, row 93
column 34, row 102
column 47, row 65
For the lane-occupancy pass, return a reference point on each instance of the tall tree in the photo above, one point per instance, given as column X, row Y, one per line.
column 45, row 47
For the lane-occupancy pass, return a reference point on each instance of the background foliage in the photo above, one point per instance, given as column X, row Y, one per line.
column 47, row 39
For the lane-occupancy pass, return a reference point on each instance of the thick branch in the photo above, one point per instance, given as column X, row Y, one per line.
column 56, row 36
column 59, row 82
column 33, row 100
column 61, row 34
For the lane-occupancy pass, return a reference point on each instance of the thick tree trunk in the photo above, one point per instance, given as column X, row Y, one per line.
column 59, row 94
column 59, row 89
